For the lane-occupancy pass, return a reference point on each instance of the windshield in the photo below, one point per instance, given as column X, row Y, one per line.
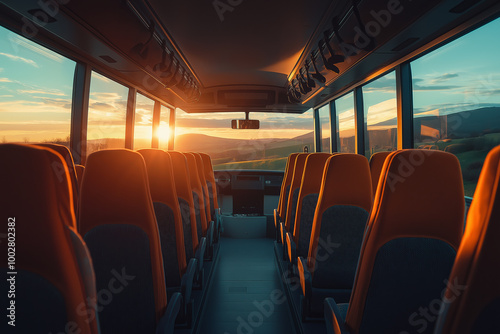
column 266, row 148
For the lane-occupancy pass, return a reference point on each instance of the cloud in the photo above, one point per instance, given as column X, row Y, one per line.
column 18, row 58
column 5, row 80
column 35, row 91
column 6, row 95
column 100, row 77
column 444, row 77
column 36, row 48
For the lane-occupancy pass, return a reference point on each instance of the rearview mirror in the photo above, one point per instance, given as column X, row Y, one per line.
column 245, row 124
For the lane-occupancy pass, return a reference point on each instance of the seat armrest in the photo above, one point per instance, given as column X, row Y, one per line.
column 305, row 277
column 167, row 321
column 335, row 317
column 187, row 280
column 291, row 248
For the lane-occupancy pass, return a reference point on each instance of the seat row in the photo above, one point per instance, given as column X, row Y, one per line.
column 378, row 245
column 140, row 238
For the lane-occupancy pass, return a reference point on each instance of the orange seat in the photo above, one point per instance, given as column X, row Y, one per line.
column 118, row 223
column 68, row 159
column 284, row 192
column 288, row 224
column 410, row 244
column 472, row 299
column 212, row 194
column 198, row 196
column 203, row 183
column 80, row 170
column 206, row 202
column 341, row 214
column 298, row 239
column 54, row 280
column 195, row 247
column 376, row 163
column 179, row 276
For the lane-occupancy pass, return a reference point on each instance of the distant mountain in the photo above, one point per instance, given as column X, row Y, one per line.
column 465, row 123
column 209, row 144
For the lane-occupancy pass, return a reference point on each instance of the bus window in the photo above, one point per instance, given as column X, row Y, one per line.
column 456, row 96
column 164, row 128
column 143, row 129
column 33, row 108
column 266, row 148
column 324, row 119
column 345, row 120
column 107, row 114
column 379, row 101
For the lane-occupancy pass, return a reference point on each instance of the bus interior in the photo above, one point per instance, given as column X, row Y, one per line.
column 236, row 166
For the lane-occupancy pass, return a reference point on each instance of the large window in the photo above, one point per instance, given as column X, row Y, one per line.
column 266, row 148
column 324, row 119
column 345, row 119
column 379, row 101
column 36, row 87
column 143, row 129
column 107, row 114
column 456, row 94
column 164, row 132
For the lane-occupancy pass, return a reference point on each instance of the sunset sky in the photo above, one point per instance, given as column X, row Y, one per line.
column 36, row 89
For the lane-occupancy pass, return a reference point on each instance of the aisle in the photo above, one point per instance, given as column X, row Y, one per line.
column 246, row 295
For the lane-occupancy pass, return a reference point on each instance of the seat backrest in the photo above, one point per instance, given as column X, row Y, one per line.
column 211, row 185
column 198, row 199
column 203, row 183
column 344, row 204
column 68, row 159
column 79, row 170
column 117, row 221
column 307, row 200
column 293, row 194
column 186, row 204
column 410, row 243
column 376, row 163
column 168, row 214
column 55, row 279
column 472, row 300
column 285, row 185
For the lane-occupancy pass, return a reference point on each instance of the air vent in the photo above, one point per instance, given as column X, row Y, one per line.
column 405, row 44
column 108, row 59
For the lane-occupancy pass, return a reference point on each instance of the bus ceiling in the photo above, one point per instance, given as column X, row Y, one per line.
column 241, row 55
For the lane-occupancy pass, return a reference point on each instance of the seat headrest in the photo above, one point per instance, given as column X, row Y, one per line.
column 477, row 259
column 376, row 163
column 193, row 172
column 201, row 168
column 421, row 194
column 313, row 173
column 287, row 180
column 182, row 181
column 38, row 167
column 115, row 190
column 346, row 181
column 298, row 170
column 208, row 168
column 161, row 177
column 38, row 199
column 68, row 158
